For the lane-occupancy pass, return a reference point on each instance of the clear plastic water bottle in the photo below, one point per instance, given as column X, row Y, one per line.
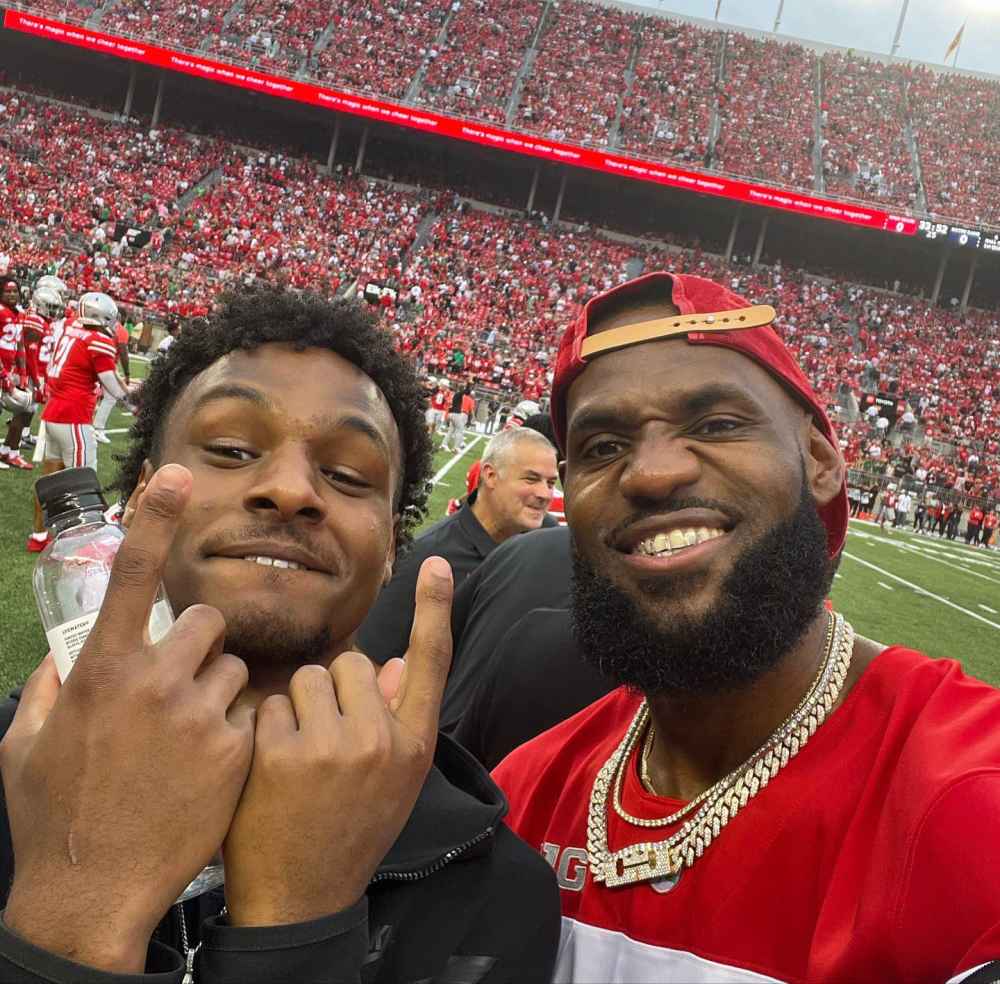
column 73, row 571
column 71, row 579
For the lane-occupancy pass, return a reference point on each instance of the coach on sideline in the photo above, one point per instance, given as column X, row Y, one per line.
column 279, row 457
column 516, row 485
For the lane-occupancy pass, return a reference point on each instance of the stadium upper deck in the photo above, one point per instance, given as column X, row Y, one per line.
column 893, row 134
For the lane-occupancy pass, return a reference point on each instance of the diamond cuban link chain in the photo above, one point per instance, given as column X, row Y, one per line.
column 720, row 802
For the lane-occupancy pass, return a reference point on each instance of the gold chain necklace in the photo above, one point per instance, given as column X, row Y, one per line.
column 797, row 712
column 720, row 802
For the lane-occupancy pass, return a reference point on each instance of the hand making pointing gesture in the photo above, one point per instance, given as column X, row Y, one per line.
column 123, row 783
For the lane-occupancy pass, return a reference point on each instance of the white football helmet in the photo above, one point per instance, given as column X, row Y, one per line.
column 19, row 400
column 47, row 302
column 97, row 310
column 526, row 409
column 54, row 283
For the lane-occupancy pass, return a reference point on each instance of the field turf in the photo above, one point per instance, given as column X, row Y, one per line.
column 897, row 587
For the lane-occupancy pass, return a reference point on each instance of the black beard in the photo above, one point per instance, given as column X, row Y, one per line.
column 766, row 604
column 270, row 641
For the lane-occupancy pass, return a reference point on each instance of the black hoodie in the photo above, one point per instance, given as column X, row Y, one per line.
column 458, row 900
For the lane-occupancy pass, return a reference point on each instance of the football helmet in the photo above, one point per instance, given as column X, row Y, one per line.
column 47, row 302
column 526, row 409
column 19, row 399
column 54, row 283
column 97, row 310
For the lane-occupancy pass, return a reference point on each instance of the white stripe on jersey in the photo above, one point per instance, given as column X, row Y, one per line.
column 968, row 973
column 592, row 955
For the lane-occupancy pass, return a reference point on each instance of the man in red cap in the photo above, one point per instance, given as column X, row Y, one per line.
column 766, row 795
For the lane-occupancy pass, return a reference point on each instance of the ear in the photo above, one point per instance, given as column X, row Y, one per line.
column 488, row 476
column 561, row 466
column 390, row 557
column 825, row 468
column 133, row 500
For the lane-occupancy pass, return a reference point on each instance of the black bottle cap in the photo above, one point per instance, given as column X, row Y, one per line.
column 71, row 490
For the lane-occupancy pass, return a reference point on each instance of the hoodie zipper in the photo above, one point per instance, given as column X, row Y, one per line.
column 445, row 859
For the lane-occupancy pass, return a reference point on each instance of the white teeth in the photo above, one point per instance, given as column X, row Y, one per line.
column 276, row 562
column 663, row 544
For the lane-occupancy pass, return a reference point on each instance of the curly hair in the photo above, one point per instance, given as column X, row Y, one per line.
column 246, row 319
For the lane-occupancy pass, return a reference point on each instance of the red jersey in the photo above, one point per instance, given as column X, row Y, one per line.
column 872, row 856
column 81, row 355
column 46, row 347
column 440, row 400
column 976, row 516
column 10, row 335
column 33, row 330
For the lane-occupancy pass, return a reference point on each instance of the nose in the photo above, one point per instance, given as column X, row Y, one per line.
column 659, row 464
column 286, row 484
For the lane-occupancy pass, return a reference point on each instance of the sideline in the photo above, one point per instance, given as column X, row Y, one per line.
column 923, row 591
column 436, row 480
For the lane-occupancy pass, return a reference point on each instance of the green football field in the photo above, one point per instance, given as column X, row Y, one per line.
column 938, row 596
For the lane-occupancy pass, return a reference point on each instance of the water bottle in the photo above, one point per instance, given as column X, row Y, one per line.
column 71, row 579
column 72, row 573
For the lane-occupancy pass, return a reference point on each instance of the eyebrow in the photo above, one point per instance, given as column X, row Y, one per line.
column 364, row 427
column 233, row 391
column 688, row 404
column 240, row 391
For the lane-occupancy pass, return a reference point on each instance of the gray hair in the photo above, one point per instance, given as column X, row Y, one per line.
column 499, row 449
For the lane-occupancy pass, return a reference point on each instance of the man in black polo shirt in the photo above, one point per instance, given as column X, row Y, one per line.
column 516, row 485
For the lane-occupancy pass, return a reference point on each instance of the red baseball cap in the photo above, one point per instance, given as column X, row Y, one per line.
column 725, row 319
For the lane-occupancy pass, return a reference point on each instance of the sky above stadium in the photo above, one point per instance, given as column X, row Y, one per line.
column 869, row 24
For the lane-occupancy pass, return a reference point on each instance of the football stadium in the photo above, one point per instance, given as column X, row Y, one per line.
column 676, row 335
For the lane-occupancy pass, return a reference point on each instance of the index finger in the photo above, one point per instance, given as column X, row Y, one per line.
column 138, row 566
column 428, row 658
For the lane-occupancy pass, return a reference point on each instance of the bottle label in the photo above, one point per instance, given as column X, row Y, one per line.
column 66, row 640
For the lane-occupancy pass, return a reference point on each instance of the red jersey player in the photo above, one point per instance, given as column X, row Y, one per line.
column 25, row 334
column 84, row 357
column 10, row 293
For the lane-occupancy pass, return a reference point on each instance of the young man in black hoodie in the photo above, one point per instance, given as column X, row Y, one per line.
column 278, row 461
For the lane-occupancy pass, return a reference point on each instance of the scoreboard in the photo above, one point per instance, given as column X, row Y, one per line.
column 960, row 236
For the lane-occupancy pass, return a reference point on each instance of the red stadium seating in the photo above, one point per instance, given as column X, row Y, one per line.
column 497, row 289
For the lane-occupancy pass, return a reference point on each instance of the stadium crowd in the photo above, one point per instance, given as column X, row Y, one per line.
column 668, row 109
column 501, row 31
column 865, row 153
column 573, row 90
column 767, row 111
column 663, row 80
column 480, row 293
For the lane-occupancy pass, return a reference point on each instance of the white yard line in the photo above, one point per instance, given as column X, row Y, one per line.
column 923, row 591
column 882, row 584
column 927, row 552
column 986, row 608
column 436, row 480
